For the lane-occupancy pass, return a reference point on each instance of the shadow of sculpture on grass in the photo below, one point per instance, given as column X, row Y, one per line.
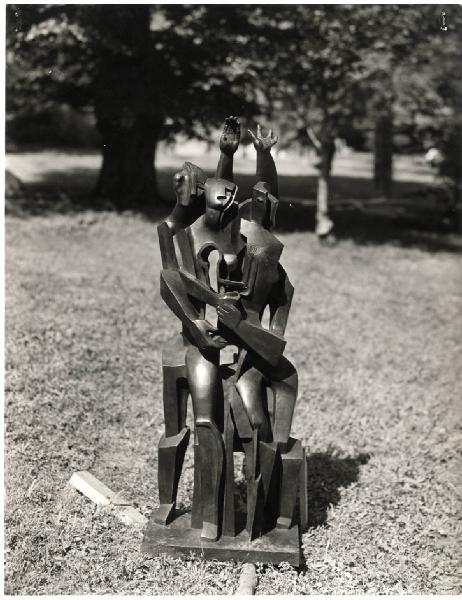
column 327, row 476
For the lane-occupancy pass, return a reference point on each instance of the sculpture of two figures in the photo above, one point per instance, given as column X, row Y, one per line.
column 233, row 411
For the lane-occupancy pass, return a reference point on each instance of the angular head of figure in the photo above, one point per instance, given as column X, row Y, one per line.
column 263, row 206
column 188, row 184
column 220, row 202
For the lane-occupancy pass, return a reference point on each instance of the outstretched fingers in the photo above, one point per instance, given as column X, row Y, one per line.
column 252, row 135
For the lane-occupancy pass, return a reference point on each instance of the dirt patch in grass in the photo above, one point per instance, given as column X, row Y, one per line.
column 376, row 334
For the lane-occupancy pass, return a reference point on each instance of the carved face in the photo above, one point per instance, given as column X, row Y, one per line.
column 220, row 202
column 263, row 207
column 188, row 184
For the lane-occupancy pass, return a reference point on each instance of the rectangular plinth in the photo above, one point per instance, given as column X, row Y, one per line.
column 279, row 545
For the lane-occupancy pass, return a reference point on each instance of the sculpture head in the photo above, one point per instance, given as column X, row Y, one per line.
column 188, row 184
column 190, row 203
column 220, row 202
column 263, row 206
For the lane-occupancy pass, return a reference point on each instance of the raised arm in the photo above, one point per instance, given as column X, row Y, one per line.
column 266, row 169
column 229, row 143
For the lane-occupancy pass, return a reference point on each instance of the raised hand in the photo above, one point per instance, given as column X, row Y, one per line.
column 260, row 143
column 231, row 135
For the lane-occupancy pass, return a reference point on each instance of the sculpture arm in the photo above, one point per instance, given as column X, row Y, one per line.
column 267, row 344
column 172, row 291
column 175, row 297
column 225, row 167
column 229, row 143
column 280, row 303
column 266, row 168
column 167, row 247
column 198, row 289
column 266, row 171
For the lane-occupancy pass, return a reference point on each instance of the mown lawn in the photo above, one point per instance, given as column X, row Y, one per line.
column 375, row 331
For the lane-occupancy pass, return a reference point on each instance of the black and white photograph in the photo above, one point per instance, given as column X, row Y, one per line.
column 232, row 299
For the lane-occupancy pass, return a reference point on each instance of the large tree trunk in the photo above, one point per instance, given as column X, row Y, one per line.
column 128, row 176
column 383, row 153
column 126, row 107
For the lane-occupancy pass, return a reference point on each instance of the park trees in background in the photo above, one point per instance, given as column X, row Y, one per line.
column 148, row 72
column 312, row 73
column 375, row 65
column 428, row 105
column 402, row 43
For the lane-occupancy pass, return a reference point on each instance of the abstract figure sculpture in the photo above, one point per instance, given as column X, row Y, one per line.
column 231, row 407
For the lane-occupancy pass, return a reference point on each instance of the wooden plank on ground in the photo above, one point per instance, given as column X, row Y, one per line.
column 100, row 494
column 92, row 488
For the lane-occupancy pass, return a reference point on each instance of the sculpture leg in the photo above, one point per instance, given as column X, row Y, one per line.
column 290, row 481
column 303, row 493
column 229, row 522
column 255, row 496
column 175, row 397
column 251, row 389
column 253, row 395
column 207, row 396
column 280, row 460
column 270, row 470
column 172, row 446
column 196, row 509
column 284, row 384
column 211, row 452
column 171, row 455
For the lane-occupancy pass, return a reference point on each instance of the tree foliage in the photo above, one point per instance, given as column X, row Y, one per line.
column 148, row 72
column 192, row 57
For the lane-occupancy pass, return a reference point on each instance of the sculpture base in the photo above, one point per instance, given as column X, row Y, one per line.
column 274, row 547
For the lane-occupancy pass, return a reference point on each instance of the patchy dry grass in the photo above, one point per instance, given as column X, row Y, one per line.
column 376, row 334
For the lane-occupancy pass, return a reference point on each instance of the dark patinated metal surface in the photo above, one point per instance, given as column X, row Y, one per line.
column 179, row 539
column 231, row 406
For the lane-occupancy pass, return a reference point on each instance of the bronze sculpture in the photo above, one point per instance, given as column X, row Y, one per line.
column 230, row 402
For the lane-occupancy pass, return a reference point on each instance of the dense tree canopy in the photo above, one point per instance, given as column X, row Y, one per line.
column 147, row 71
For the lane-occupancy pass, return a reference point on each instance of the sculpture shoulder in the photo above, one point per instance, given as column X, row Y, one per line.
column 260, row 238
column 197, row 233
column 197, row 227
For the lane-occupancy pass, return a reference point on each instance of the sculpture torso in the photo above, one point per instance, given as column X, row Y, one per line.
column 198, row 240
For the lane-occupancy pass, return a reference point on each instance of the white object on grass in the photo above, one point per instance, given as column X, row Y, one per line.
column 100, row 494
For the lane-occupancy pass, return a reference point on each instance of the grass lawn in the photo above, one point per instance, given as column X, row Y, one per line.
column 375, row 331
